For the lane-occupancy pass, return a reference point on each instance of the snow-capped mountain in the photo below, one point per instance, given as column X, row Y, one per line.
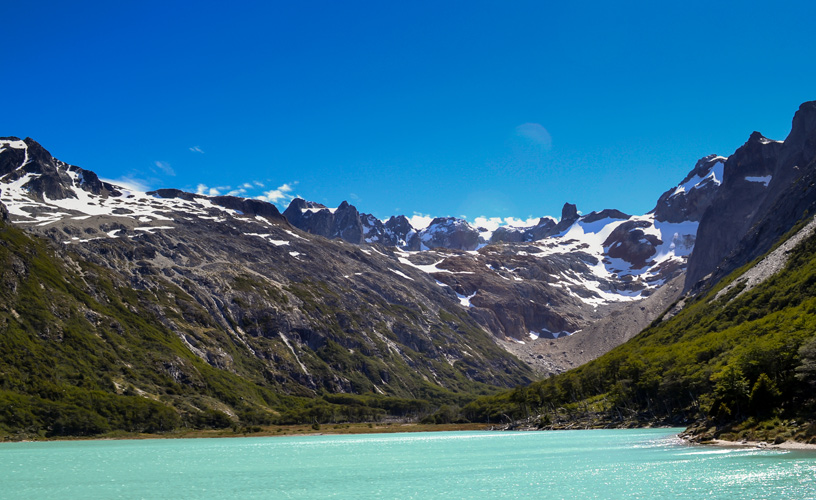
column 546, row 281
column 516, row 283
column 599, row 259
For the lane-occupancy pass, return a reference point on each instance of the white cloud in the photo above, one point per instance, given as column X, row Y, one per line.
column 196, row 149
column 203, row 189
column 236, row 192
column 280, row 195
column 259, row 183
column 535, row 133
column 165, row 167
column 493, row 223
column 247, row 185
column 529, row 222
column 420, row 221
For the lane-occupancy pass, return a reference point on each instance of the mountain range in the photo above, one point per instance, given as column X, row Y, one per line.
column 182, row 301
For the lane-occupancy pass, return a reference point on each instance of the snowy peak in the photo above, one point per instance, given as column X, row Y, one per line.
column 690, row 199
column 39, row 190
column 450, row 232
column 42, row 176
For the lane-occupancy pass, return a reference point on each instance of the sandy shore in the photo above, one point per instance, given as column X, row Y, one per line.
column 787, row 445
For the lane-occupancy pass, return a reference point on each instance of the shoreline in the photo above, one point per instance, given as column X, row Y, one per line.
column 787, row 445
column 762, row 445
column 269, row 431
column 388, row 428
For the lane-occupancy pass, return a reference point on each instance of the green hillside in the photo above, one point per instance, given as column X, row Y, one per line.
column 82, row 353
column 734, row 368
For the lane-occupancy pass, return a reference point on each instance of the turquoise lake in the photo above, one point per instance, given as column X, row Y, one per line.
column 640, row 463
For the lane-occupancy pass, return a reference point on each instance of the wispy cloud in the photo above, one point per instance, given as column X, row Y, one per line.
column 247, row 185
column 196, row 149
column 131, row 183
column 237, row 192
column 164, row 168
column 535, row 133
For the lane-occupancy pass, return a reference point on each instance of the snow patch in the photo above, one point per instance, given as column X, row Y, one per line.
column 401, row 274
column 764, row 179
column 465, row 301
column 714, row 174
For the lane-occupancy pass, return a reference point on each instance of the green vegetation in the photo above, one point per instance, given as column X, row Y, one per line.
column 83, row 353
column 729, row 365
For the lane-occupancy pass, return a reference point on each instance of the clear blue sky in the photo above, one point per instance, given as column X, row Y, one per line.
column 443, row 108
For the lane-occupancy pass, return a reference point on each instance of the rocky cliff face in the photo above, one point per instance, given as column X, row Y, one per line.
column 767, row 187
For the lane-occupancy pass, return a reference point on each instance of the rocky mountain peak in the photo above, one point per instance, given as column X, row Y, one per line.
column 802, row 136
column 569, row 212
column 450, row 232
column 691, row 198
column 609, row 213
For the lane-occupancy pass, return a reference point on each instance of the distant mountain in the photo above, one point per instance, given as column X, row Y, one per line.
column 544, row 281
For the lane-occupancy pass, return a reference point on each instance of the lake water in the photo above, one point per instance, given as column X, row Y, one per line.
column 645, row 463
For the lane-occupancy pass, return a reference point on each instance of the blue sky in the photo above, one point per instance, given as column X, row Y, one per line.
column 498, row 109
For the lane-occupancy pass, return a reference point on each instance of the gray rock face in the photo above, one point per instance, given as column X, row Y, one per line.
column 767, row 188
column 630, row 243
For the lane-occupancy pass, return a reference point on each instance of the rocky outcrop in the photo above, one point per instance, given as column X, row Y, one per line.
column 630, row 243
column 569, row 215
